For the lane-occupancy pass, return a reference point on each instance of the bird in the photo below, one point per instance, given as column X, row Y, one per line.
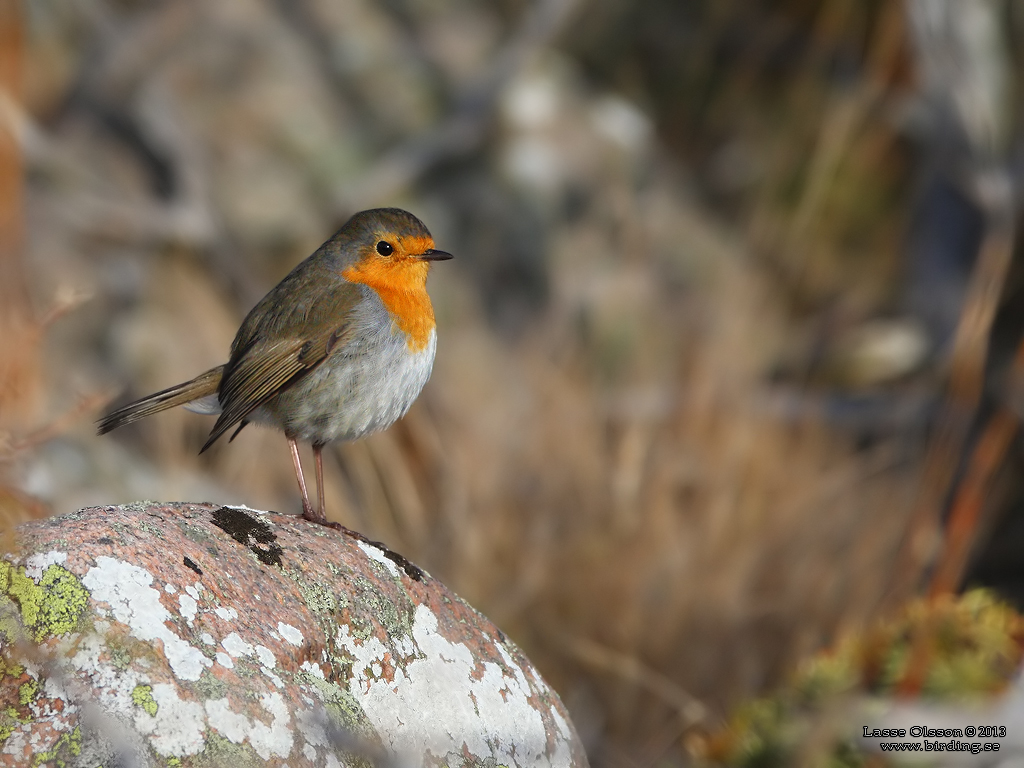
column 338, row 350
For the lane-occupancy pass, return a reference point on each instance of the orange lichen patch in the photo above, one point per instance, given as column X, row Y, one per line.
column 401, row 282
column 387, row 665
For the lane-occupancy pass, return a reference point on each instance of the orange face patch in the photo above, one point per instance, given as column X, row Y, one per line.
column 411, row 246
column 401, row 282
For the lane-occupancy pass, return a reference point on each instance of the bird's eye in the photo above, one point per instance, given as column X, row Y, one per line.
column 384, row 248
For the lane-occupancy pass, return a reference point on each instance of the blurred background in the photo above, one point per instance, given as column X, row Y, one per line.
column 727, row 360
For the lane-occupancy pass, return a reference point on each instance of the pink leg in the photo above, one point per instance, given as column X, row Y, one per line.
column 307, row 508
column 320, row 515
column 321, row 504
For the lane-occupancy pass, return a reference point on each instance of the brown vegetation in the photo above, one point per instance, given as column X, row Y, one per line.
column 628, row 455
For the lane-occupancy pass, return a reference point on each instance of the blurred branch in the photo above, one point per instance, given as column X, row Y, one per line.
column 845, row 117
column 303, row 20
column 13, row 293
column 125, row 53
column 464, row 130
column 86, row 405
column 596, row 656
column 964, row 69
column 120, row 87
column 989, row 454
column 963, row 394
column 961, row 530
column 19, row 383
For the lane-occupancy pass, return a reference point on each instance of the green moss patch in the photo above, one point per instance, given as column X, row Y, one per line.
column 68, row 745
column 342, row 708
column 948, row 648
column 220, row 751
column 27, row 692
column 142, row 696
column 9, row 720
column 54, row 606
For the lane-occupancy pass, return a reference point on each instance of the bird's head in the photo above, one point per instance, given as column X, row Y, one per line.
column 392, row 250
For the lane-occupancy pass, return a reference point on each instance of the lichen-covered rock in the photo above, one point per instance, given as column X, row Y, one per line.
column 192, row 635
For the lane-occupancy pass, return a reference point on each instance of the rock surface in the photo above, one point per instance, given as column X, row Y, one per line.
column 195, row 635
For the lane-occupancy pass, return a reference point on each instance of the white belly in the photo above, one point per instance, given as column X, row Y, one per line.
column 362, row 387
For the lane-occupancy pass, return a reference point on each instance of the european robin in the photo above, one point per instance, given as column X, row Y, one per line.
column 337, row 350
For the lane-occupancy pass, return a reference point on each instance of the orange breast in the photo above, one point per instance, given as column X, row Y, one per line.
column 402, row 287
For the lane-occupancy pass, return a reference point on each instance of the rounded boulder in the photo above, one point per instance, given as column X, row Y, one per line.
column 198, row 635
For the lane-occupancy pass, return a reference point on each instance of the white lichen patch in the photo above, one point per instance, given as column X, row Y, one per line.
column 377, row 556
column 126, row 589
column 16, row 742
column 442, row 700
column 266, row 656
column 55, row 707
column 54, row 689
column 37, row 563
column 236, row 646
column 275, row 739
column 188, row 607
column 290, row 633
column 109, row 687
column 250, row 509
column 231, row 725
column 177, row 728
column 564, row 731
column 311, row 724
column 313, row 668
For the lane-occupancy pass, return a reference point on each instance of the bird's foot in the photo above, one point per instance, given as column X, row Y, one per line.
column 314, row 516
column 412, row 571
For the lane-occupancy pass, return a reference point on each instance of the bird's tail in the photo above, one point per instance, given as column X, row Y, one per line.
column 203, row 385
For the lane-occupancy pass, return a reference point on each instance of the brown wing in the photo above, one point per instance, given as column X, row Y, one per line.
column 273, row 349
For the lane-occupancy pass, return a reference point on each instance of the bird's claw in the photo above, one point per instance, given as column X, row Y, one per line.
column 412, row 571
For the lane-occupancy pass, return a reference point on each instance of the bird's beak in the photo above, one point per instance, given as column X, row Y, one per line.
column 435, row 255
